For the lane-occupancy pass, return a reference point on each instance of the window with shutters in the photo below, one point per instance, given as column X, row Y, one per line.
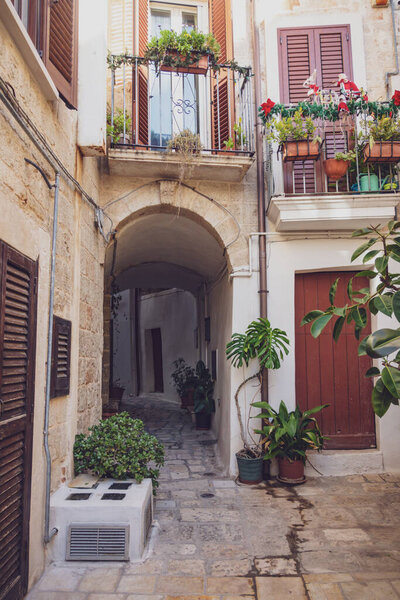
column 53, row 27
column 61, row 357
column 328, row 51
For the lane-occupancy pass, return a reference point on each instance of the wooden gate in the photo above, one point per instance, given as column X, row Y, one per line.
column 329, row 372
column 18, row 282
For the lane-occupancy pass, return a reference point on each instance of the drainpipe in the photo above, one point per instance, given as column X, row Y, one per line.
column 47, row 533
column 396, row 53
column 262, row 245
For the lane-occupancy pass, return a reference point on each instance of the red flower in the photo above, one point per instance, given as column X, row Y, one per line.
column 266, row 106
column 343, row 106
column 396, row 98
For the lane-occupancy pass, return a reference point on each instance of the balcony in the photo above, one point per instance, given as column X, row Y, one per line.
column 303, row 197
column 149, row 107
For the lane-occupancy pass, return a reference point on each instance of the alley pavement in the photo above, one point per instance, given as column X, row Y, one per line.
column 332, row 538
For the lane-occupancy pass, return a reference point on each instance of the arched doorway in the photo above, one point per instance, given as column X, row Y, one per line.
column 172, row 298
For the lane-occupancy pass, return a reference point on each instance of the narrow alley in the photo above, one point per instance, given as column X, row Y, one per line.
column 332, row 538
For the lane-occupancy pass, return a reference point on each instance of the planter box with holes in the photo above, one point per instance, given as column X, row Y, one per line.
column 108, row 522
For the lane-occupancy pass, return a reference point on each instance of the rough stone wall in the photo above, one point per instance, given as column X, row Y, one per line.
column 26, row 209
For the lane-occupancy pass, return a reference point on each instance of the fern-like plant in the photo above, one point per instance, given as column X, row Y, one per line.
column 266, row 344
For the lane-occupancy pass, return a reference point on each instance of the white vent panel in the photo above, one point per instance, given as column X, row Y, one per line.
column 98, row 542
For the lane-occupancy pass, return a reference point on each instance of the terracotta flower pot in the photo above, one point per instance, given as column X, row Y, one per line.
column 301, row 150
column 335, row 169
column 200, row 67
column 187, row 398
column 291, row 472
column 386, row 152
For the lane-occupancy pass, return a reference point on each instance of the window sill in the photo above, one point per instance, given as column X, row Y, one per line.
column 23, row 42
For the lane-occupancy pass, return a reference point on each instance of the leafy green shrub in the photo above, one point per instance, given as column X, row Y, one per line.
column 117, row 128
column 120, row 448
column 184, row 44
column 291, row 128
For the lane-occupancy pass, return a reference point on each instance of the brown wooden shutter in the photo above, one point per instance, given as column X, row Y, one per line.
column 18, row 282
column 62, row 49
column 301, row 50
column 221, row 27
column 61, row 357
column 141, row 95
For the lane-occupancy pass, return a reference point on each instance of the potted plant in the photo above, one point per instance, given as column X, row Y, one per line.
column 119, row 448
column 116, row 130
column 296, row 138
column 335, row 168
column 381, row 140
column 186, row 143
column 184, row 379
column 239, row 138
column 204, row 404
column 269, row 346
column 288, row 436
column 186, row 52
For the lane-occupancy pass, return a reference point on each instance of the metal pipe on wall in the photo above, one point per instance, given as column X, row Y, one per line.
column 260, row 189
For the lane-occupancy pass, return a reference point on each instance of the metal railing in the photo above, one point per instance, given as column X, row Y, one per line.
column 308, row 177
column 149, row 106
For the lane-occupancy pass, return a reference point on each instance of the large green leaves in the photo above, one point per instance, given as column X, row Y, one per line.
column 363, row 248
column 259, row 341
column 383, row 342
column 381, row 398
column 320, row 323
column 391, row 379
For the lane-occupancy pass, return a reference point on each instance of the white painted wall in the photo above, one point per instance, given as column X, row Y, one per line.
column 174, row 312
column 92, row 72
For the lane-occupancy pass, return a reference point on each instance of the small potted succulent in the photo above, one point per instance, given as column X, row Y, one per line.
column 288, row 436
column 337, row 167
column 381, row 139
column 296, row 137
column 269, row 346
column 204, row 404
column 186, row 52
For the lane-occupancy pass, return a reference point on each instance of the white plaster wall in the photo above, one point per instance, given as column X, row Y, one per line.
column 285, row 258
column 92, row 73
column 174, row 312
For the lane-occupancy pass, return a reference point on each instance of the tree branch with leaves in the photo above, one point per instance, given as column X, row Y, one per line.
column 383, row 343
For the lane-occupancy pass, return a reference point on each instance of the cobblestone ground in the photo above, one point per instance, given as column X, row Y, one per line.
column 333, row 538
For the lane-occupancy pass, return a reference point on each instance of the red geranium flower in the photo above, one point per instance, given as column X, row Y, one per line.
column 396, row 98
column 266, row 106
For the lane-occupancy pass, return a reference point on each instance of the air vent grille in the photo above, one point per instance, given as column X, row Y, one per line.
column 98, row 542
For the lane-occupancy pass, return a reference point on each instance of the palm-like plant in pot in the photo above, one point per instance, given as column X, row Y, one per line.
column 288, row 436
column 268, row 346
column 204, row 404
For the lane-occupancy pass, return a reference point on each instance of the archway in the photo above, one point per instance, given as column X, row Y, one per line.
column 172, row 299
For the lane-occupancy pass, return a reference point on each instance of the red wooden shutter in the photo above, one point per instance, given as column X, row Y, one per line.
column 329, row 372
column 327, row 50
column 221, row 28
column 141, row 29
column 61, row 357
column 62, row 48
column 18, row 280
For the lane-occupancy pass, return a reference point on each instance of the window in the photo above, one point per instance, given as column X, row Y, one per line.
column 54, row 33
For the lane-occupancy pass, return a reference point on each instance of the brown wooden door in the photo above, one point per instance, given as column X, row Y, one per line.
column 18, row 282
column 157, row 360
column 329, row 372
column 301, row 50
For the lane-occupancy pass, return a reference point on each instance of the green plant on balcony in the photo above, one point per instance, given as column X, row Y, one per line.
column 381, row 139
column 115, row 128
column 291, row 128
column 240, row 138
column 184, row 49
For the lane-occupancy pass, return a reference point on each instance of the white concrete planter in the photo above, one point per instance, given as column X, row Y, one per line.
column 108, row 522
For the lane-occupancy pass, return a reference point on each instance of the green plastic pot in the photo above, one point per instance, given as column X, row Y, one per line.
column 369, row 183
column 250, row 469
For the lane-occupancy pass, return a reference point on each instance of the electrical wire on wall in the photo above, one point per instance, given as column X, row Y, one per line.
column 9, row 99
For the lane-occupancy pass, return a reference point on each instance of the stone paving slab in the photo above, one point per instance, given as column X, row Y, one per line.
column 333, row 538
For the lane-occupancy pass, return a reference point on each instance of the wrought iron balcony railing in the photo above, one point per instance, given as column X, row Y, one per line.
column 369, row 171
column 149, row 106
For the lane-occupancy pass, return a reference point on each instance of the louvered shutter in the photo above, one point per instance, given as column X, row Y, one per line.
column 18, row 279
column 221, row 28
column 141, row 112
column 61, row 57
column 61, row 357
column 301, row 51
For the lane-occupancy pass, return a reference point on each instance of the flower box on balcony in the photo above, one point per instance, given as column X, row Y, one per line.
column 382, row 152
column 300, row 150
column 199, row 67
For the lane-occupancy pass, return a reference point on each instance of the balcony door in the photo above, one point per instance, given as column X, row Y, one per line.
column 173, row 97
